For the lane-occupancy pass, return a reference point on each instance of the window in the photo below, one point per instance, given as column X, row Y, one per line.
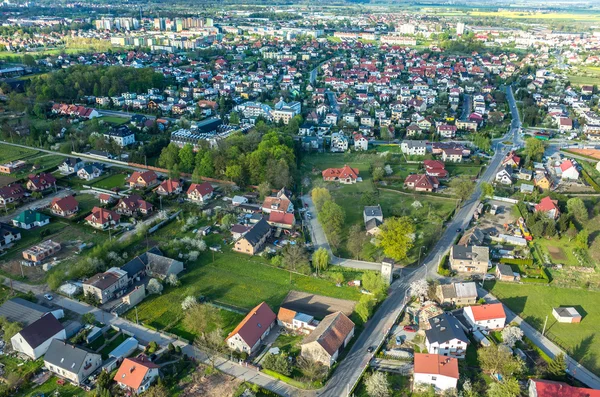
column 434, row 378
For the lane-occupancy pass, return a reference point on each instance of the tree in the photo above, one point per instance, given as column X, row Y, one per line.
column 378, row 174
column 332, row 218
column 311, row 368
column 227, row 220
column 264, row 190
column 499, row 360
column 187, row 158
column 396, row 237
column 511, row 335
column 364, row 307
column 88, row 318
column 155, row 287
column 468, row 390
column 169, row 156
column 374, row 283
column 557, row 368
column 157, row 390
column 377, row 385
column 234, row 118
column 509, row 387
column 213, row 344
column 356, row 240
column 278, row 363
column 572, row 231
column 28, row 60
column 104, row 379
column 172, row 280
column 10, row 329
column 200, row 317
column 534, row 149
column 577, row 209
column 582, row 240
column 235, row 173
column 320, row 259
column 189, row 302
column 419, row 288
column 294, row 256
column 319, row 196
column 462, row 187
column 487, row 190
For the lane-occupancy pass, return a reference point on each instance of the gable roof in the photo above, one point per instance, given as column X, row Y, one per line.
column 445, row 328
column 66, row 203
column 286, row 315
column 102, row 215
column 341, row 173
column 202, row 188
column 422, row 181
column 547, row 388
column 488, row 312
column 565, row 165
column 331, row 332
column 41, row 180
column 22, row 311
column 254, row 325
column 284, row 218
column 434, row 364
column 132, row 371
column 66, row 356
column 373, row 210
column 170, row 185
column 41, row 330
column 547, row 204
column 29, row 216
column 146, row 176
column 254, row 235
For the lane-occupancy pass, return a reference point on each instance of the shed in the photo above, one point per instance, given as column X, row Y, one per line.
column 128, row 346
column 566, row 315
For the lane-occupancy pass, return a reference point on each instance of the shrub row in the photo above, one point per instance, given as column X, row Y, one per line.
column 518, row 262
column 590, row 181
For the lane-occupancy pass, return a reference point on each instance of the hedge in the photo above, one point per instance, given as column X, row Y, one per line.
column 518, row 262
column 590, row 181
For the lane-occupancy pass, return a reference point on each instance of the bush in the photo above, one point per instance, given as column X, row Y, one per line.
column 278, row 363
column 590, row 181
column 518, row 262
column 444, row 267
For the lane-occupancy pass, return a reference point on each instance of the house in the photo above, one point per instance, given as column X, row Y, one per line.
column 26, row 312
column 446, row 337
column 373, row 219
column 71, row 362
column 102, row 218
column 504, row 176
column 34, row 340
column 469, row 259
column 452, row 155
column 238, row 231
column 135, row 375
column 505, row 272
column 568, row 171
column 12, row 166
column 106, row 286
column 421, row 183
column 446, row 131
column 549, row 206
column 65, row 206
column 565, row 124
column 200, row 192
column 37, row 253
column 486, row 317
column 435, row 168
column 106, row 198
column 345, row 175
column 133, row 205
column 413, row 148
column 71, row 165
column 122, row 135
column 281, row 202
column 360, row 142
column 542, row 181
column 435, row 370
column 325, row 343
column 254, row 239
column 89, row 172
column 11, row 193
column 159, row 266
column 29, row 219
column 141, row 180
column 459, row 294
column 169, row 187
column 295, row 321
column 511, row 159
column 283, row 220
column 548, row 388
column 8, row 235
column 40, row 182
column 255, row 327
column 524, row 175
column 566, row 315
column 236, row 201
column 339, row 142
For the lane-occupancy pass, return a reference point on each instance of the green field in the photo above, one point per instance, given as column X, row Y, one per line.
column 567, row 16
column 584, row 80
column 44, row 162
column 11, row 153
column 50, row 387
column 109, row 182
column 535, row 302
column 114, row 120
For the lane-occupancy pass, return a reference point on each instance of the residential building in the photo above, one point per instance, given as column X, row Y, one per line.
column 122, row 135
column 254, row 239
column 142, row 180
column 568, row 171
column 505, row 273
column 11, row 193
column 136, row 375
column 486, row 317
column 25, row 312
column 345, row 175
column 469, row 259
column 106, row 286
column 548, row 206
column 169, row 187
column 159, row 266
column 283, row 220
column 281, row 202
column 29, row 219
column 71, row 362
column 446, row 337
column 542, row 181
column 446, row 131
column 71, row 165
column 524, row 175
column 65, row 206
column 373, row 219
column 459, row 294
column 200, row 192
column 102, row 218
column 295, row 321
column 253, row 329
column 133, row 205
column 511, row 159
column 37, row 253
column 89, row 172
column 12, row 166
column 339, row 142
column 435, row 168
column 285, row 112
column 360, row 142
column 40, row 182
column 326, row 342
column 421, row 183
column 34, row 340
column 565, row 124
column 8, row 235
column 504, row 176
column 548, row 388
column 435, row 370
column 452, row 155
column 413, row 148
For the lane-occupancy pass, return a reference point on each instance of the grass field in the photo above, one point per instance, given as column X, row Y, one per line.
column 114, row 120
column 584, row 80
column 45, row 162
column 535, row 302
column 86, row 202
column 50, row 387
column 115, row 180
column 567, row 16
column 11, row 153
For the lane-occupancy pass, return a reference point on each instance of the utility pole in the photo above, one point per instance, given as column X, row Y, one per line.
column 136, row 316
column 545, row 322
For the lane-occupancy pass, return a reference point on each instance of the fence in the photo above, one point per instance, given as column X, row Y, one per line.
column 163, row 222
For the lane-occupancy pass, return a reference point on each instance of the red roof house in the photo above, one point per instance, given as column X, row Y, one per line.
column 246, row 337
column 168, row 187
column 200, row 192
column 433, row 369
column 421, row 183
column 65, row 206
column 488, row 317
column 40, row 182
column 548, row 388
column 549, row 206
column 136, row 374
column 102, row 218
column 344, row 175
column 435, row 168
column 132, row 205
column 142, row 179
column 284, row 220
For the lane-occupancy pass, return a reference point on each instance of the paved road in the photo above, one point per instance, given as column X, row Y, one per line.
column 43, row 202
column 333, row 103
column 467, row 104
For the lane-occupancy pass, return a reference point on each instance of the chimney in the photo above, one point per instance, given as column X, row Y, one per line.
column 131, row 369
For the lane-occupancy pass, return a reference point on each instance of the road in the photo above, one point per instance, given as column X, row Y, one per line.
column 333, row 103
column 120, row 113
column 466, row 110
column 41, row 203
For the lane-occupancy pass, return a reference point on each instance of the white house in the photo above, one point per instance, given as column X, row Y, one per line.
column 504, row 176
column 446, row 337
column 70, row 165
column 253, row 329
column 568, row 171
column 487, row 317
column 71, row 362
column 200, row 192
column 34, row 340
column 136, row 374
column 360, row 142
column 89, row 172
column 436, row 370
column 413, row 148
column 122, row 135
column 339, row 142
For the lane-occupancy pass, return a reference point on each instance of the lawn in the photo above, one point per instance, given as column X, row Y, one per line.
column 50, row 387
column 584, row 80
column 557, row 251
column 109, row 182
column 112, row 345
column 87, row 202
column 289, row 344
column 400, row 386
column 11, row 153
column 535, row 302
column 115, row 120
column 45, row 162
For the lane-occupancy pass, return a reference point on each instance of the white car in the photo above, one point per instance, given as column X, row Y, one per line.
column 48, row 297
column 489, row 277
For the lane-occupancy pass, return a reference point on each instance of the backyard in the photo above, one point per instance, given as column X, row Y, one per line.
column 535, row 302
column 110, row 181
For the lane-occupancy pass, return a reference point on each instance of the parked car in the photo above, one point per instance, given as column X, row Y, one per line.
column 48, row 297
column 410, row 328
column 489, row 277
column 370, row 349
column 399, row 339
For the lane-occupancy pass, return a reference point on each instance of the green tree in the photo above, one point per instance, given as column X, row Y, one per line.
column 28, row 60
column 234, row 118
column 206, row 165
column 199, row 318
column 374, row 283
column 169, row 156
column 278, row 363
column 235, row 173
column 462, row 187
column 227, row 220
column 364, row 307
column 88, row 318
column 396, row 237
column 499, row 360
column 534, row 149
column 319, row 196
column 378, row 174
column 187, row 158
column 577, row 209
column 557, row 368
column 509, row 387
column 356, row 240
column 377, row 385
column 332, row 218
column 320, row 259
column 487, row 190
column 264, row 190
column 582, row 240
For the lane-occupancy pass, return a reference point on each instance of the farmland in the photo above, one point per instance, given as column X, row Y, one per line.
column 11, row 153
column 582, row 17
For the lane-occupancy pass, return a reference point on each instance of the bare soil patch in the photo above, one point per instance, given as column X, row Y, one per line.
column 557, row 254
column 317, row 306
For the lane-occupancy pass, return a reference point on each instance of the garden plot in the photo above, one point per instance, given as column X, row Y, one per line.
column 317, row 306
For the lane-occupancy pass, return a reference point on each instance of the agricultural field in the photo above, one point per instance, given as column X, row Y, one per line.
column 11, row 153
column 582, row 17
column 535, row 302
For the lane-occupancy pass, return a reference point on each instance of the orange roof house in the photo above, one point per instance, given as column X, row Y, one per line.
column 344, row 175
column 142, row 179
column 433, row 369
column 549, row 206
column 102, row 218
column 136, row 374
column 487, row 317
column 257, row 324
column 64, row 206
column 168, row 187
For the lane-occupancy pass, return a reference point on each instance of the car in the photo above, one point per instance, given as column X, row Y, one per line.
column 458, row 230
column 489, row 277
column 48, row 297
column 410, row 328
column 370, row 349
column 399, row 340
